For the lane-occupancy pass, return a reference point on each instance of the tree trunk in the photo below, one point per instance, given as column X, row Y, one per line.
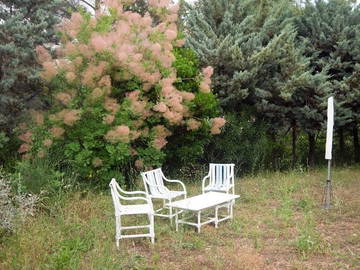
column 294, row 137
column 311, row 156
column 356, row 143
column 341, row 145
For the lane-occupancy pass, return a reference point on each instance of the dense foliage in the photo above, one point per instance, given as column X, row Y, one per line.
column 331, row 30
column 23, row 26
column 122, row 95
column 116, row 97
column 266, row 55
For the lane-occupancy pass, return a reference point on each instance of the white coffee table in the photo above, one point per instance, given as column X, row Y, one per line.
column 202, row 202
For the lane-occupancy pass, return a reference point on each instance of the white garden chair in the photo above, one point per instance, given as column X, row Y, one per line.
column 220, row 178
column 132, row 209
column 155, row 188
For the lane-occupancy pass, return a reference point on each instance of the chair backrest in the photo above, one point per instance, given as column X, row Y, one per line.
column 221, row 174
column 153, row 181
column 115, row 188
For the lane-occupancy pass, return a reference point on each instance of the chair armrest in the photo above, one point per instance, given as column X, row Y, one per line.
column 117, row 186
column 134, row 198
column 204, row 180
column 176, row 181
column 134, row 192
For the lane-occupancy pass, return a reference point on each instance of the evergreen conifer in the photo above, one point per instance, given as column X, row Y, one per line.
column 258, row 62
column 24, row 24
column 331, row 32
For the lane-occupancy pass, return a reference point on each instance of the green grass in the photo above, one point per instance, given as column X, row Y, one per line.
column 279, row 224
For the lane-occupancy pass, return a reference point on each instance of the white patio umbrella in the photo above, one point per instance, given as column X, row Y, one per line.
column 328, row 151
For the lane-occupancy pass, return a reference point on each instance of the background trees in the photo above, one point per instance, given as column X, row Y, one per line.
column 331, row 32
column 275, row 63
column 259, row 63
column 23, row 26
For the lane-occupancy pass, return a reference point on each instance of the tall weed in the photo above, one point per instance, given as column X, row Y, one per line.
column 14, row 207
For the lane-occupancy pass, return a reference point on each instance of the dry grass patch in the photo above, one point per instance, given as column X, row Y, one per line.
column 278, row 224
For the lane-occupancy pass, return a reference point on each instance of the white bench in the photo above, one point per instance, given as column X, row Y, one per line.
column 199, row 203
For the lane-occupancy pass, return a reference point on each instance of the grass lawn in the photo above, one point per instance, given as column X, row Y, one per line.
column 278, row 224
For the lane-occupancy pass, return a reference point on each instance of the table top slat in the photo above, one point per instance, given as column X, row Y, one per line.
column 203, row 201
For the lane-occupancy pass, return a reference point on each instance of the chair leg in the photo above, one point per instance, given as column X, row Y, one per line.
column 216, row 216
column 118, row 231
column 170, row 211
column 177, row 219
column 199, row 221
column 152, row 232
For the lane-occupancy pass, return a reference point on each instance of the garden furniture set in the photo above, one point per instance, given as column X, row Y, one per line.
column 217, row 192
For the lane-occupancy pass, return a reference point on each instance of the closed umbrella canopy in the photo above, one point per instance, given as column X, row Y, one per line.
column 330, row 127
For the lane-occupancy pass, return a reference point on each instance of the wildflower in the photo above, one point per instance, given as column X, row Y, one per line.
column 217, row 123
column 26, row 137
column 159, row 143
column 42, row 54
column 64, row 98
column 37, row 117
column 70, row 76
column 160, row 107
column 111, row 105
column 108, row 119
column 41, row 154
column 49, row 71
column 193, row 124
column 71, row 116
column 24, row 148
column 47, row 142
column 57, row 131
column 97, row 162
column 120, row 133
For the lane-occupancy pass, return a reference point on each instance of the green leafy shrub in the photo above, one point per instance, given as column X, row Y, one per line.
column 116, row 97
column 187, row 147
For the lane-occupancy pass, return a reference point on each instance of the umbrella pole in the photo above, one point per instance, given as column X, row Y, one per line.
column 328, row 188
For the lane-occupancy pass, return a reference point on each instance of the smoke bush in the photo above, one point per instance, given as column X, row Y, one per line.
column 112, row 86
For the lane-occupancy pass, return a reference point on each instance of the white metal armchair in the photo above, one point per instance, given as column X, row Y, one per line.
column 133, row 209
column 155, row 188
column 220, row 178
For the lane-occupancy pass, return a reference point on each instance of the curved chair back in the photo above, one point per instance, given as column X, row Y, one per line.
column 115, row 188
column 221, row 174
column 153, row 181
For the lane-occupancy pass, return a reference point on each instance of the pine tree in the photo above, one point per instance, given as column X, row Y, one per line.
column 24, row 24
column 257, row 61
column 331, row 30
